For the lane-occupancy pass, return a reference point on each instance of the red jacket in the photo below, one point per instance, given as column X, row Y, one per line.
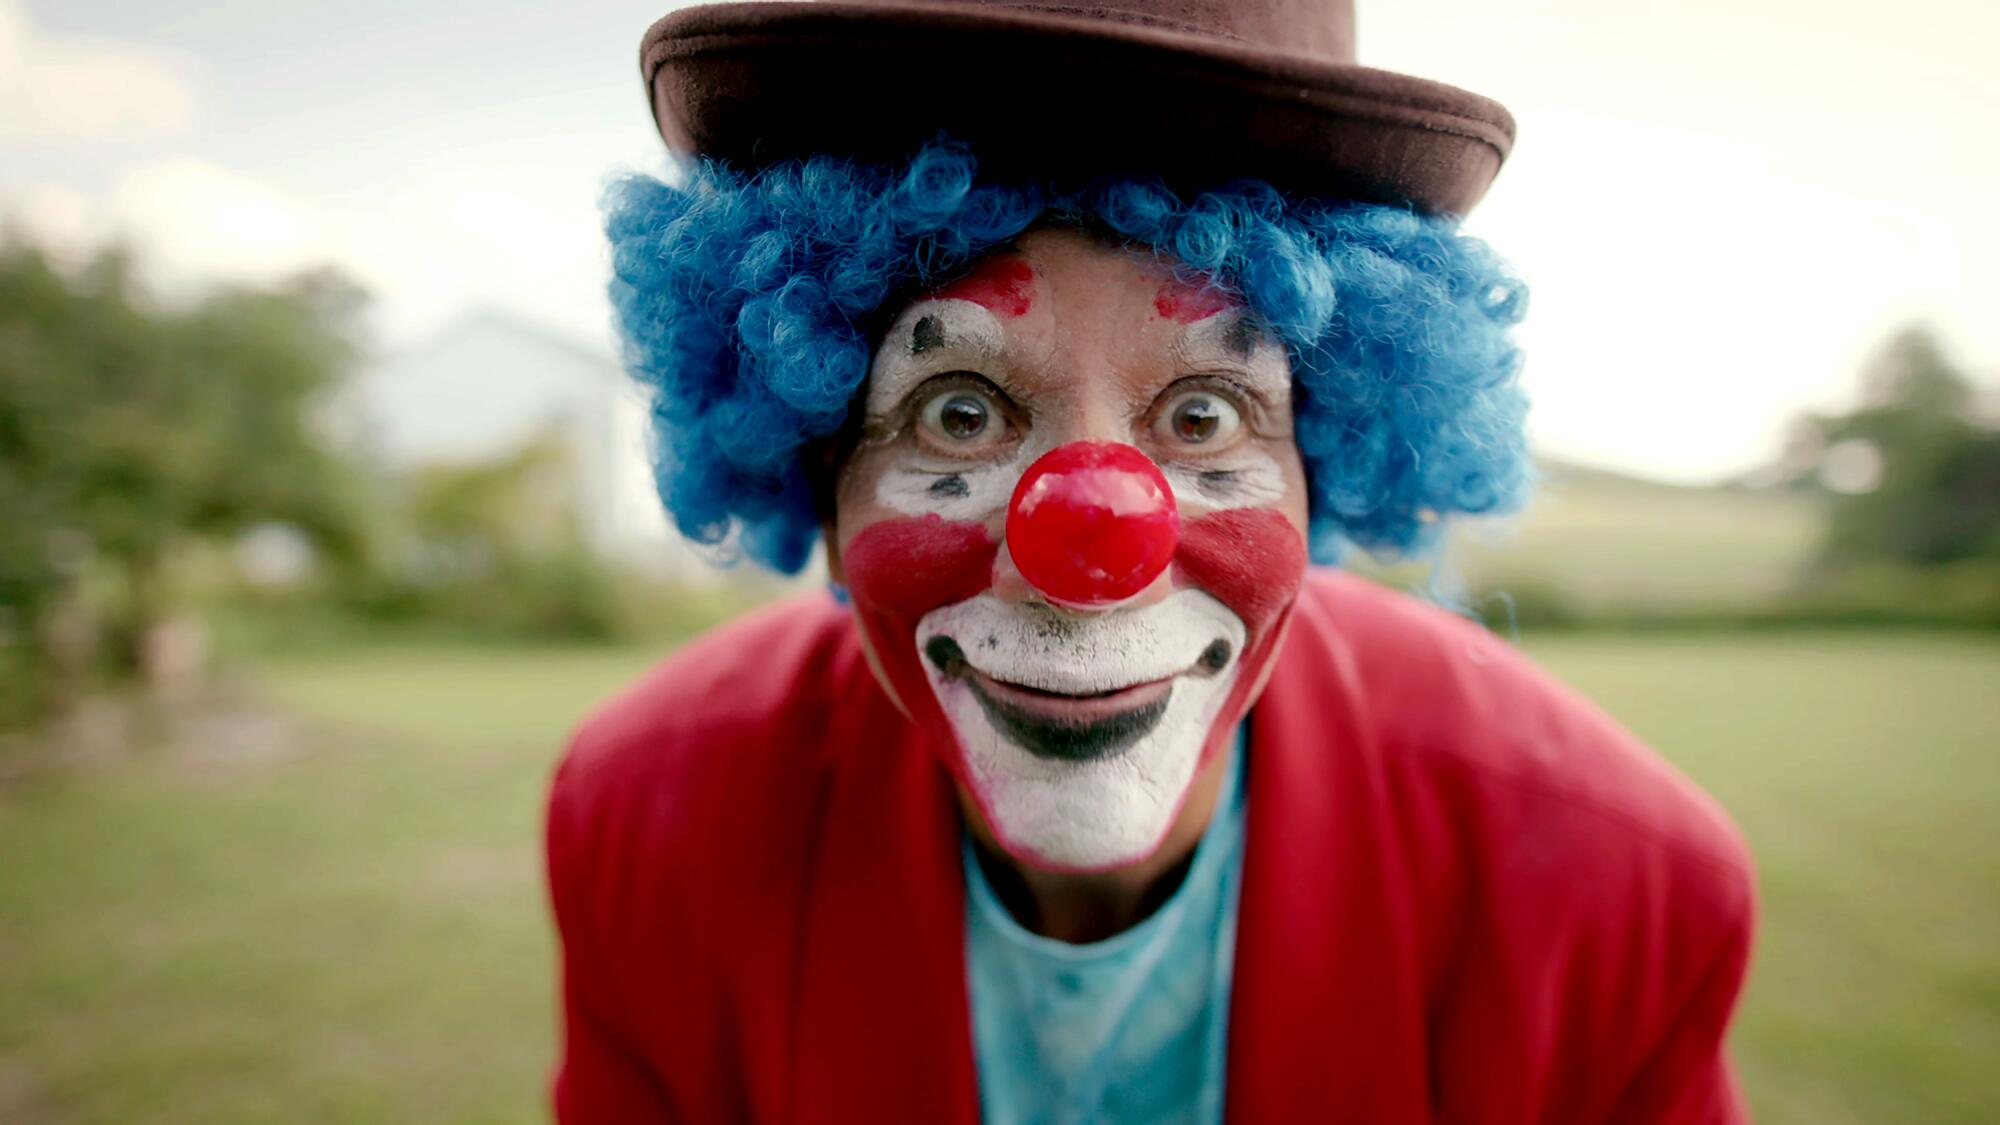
column 1468, row 895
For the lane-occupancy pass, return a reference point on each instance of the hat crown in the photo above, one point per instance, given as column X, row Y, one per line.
column 1324, row 28
column 1193, row 92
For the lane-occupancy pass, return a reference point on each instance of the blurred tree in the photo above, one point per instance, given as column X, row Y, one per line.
column 128, row 431
column 497, row 545
column 486, row 516
column 38, row 534
column 1916, row 476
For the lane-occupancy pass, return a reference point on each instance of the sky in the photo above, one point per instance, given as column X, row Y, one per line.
column 1721, row 207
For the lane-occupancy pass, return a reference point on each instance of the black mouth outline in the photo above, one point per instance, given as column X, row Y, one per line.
column 1066, row 740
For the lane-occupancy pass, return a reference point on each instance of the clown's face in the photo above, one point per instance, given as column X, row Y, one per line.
column 1077, row 677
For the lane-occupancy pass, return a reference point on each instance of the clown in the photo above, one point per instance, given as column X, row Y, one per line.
column 1075, row 333
column 1098, row 660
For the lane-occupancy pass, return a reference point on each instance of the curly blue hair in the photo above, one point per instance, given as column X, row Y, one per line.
column 747, row 304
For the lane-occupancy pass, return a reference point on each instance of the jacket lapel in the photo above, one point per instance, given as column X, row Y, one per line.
column 1325, row 1010
column 884, row 1027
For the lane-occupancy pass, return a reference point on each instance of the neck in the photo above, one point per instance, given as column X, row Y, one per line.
column 1080, row 908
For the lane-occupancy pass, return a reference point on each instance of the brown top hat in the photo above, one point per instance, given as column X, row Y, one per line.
column 1197, row 91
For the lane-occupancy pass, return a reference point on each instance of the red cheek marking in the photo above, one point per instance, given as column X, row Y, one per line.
column 908, row 567
column 897, row 571
column 1253, row 561
column 1184, row 302
column 1004, row 285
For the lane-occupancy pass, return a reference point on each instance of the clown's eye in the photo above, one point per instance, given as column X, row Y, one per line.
column 963, row 419
column 1198, row 417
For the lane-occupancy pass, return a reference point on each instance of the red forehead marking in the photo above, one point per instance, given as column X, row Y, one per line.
column 1004, row 285
column 1186, row 302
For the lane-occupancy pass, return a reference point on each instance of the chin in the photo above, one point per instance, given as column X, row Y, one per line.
column 1079, row 737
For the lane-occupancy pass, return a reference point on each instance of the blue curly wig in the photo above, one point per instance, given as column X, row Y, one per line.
column 747, row 304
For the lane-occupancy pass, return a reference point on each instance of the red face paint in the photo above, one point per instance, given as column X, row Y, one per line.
column 1251, row 560
column 897, row 571
column 1003, row 284
column 1185, row 302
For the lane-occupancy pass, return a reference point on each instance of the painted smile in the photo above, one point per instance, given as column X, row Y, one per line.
column 1078, row 727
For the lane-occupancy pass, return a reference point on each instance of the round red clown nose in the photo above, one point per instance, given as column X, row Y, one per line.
column 1092, row 523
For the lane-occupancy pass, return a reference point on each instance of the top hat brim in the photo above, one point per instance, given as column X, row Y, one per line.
column 1046, row 94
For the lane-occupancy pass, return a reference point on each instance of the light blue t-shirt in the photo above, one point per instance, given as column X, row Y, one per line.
column 1134, row 1028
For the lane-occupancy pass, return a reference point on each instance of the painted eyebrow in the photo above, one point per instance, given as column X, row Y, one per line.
column 932, row 326
column 1244, row 335
column 932, row 331
column 1239, row 339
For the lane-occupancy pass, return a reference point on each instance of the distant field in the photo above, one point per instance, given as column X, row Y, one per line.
column 1606, row 540
column 339, row 918
column 1598, row 541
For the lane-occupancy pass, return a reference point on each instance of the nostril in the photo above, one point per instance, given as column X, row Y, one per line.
column 1092, row 523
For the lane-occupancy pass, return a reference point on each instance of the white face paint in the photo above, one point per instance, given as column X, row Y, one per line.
column 1079, row 734
column 934, row 336
column 1232, row 341
column 929, row 338
column 1251, row 480
column 1102, row 809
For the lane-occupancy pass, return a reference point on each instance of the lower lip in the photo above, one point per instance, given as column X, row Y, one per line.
column 1071, row 708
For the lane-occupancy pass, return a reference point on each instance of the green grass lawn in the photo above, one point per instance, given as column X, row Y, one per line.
column 354, row 932
column 353, row 929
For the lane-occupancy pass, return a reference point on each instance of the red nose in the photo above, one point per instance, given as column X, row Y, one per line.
column 1092, row 523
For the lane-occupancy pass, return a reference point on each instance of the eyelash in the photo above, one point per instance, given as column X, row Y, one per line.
column 943, row 384
column 1249, row 405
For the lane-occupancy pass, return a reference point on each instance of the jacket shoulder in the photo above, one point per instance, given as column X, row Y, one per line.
column 718, row 749
column 744, row 682
column 1561, row 875
column 1444, row 696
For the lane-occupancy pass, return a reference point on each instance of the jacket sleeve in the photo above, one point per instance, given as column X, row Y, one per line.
column 598, row 1076
column 1688, row 1079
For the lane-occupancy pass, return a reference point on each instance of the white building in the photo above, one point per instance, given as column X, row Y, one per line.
column 492, row 382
